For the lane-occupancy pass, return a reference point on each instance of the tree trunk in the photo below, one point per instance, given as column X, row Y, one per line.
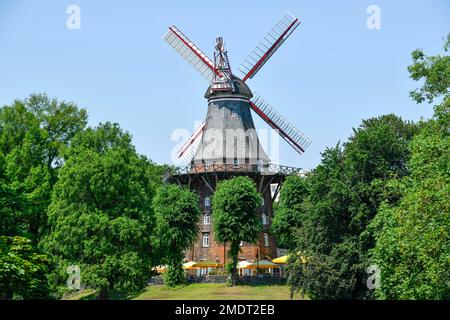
column 103, row 295
column 234, row 252
column 6, row 295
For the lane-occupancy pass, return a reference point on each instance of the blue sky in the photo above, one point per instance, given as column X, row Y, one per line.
column 329, row 75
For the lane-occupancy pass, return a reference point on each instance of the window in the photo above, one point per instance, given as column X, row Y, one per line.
column 206, row 219
column 262, row 201
column 207, row 201
column 235, row 162
column 206, row 239
column 265, row 219
column 266, row 240
column 233, row 112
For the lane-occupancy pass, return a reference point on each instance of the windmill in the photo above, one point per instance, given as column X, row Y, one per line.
column 226, row 144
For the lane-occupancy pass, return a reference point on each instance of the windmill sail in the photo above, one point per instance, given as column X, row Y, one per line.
column 191, row 53
column 274, row 119
column 268, row 45
column 187, row 151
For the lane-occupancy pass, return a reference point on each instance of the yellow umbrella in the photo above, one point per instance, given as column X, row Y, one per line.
column 189, row 265
column 284, row 259
column 281, row 260
column 263, row 264
column 207, row 264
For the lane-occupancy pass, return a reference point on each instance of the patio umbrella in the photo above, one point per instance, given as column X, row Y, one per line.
column 208, row 264
column 189, row 265
column 281, row 260
column 243, row 265
column 284, row 259
column 263, row 264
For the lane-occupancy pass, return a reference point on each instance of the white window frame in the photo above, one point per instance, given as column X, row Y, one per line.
column 207, row 201
column 206, row 219
column 266, row 240
column 265, row 219
column 205, row 240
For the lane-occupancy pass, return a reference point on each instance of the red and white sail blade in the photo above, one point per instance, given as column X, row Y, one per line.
column 286, row 130
column 191, row 53
column 187, row 151
column 268, row 45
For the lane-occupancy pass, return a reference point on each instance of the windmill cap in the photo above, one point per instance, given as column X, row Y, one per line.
column 240, row 86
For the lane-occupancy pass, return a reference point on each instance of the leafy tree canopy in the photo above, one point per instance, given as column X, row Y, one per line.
column 101, row 216
column 413, row 233
column 33, row 134
column 235, row 205
column 177, row 213
column 23, row 271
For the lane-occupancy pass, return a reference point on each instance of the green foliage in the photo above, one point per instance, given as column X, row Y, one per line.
column 413, row 233
column 12, row 205
column 23, row 271
column 33, row 135
column 100, row 215
column 289, row 211
column 175, row 275
column 235, row 205
column 343, row 196
column 434, row 70
column 177, row 214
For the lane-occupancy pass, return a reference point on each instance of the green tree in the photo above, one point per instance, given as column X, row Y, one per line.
column 100, row 216
column 434, row 71
column 177, row 213
column 33, row 135
column 289, row 211
column 235, row 206
column 413, row 232
column 345, row 191
column 23, row 272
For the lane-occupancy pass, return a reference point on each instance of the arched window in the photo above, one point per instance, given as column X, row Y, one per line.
column 207, row 201
column 265, row 219
column 206, row 219
column 266, row 240
column 206, row 239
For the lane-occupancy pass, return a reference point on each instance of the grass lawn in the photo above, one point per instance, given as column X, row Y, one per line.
column 203, row 291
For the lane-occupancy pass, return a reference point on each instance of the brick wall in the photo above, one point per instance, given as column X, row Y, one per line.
column 217, row 251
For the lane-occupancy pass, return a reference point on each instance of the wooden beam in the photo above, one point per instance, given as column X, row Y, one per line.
column 207, row 184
